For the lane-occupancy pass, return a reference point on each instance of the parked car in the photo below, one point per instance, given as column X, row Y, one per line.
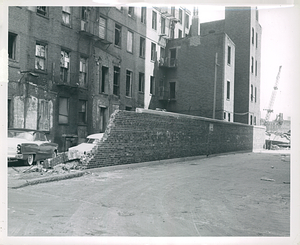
column 76, row 152
column 29, row 146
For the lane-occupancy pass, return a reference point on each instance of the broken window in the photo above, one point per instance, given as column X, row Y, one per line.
column 129, row 41
column 64, row 66
column 63, row 113
column 40, row 56
column 66, row 15
column 42, row 10
column 82, row 115
column 141, row 82
column 83, row 72
column 128, row 83
column 12, row 40
column 116, row 87
column 118, row 35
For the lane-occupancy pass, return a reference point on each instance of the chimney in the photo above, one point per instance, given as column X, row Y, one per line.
column 195, row 27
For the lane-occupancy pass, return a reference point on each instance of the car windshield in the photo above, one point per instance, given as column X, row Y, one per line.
column 30, row 135
column 91, row 141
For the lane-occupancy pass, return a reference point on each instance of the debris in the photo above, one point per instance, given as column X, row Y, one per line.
column 267, row 179
column 286, row 182
column 272, row 166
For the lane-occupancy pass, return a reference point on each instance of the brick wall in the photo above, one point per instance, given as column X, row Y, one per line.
column 148, row 135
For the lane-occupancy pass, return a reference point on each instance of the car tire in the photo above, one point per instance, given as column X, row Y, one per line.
column 30, row 160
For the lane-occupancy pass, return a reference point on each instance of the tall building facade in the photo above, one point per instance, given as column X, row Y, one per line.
column 241, row 24
column 71, row 67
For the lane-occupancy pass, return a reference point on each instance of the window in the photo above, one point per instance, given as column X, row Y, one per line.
column 187, row 21
column 116, row 88
column 228, row 117
column 251, row 93
column 119, row 8
column 252, row 63
column 143, row 15
column 142, row 47
column 180, row 15
column 228, row 90
column 102, row 119
column 254, row 120
column 153, row 51
column 64, row 66
column 229, row 55
column 118, row 35
column 224, row 115
column 251, row 120
column 173, row 11
column 40, row 56
column 255, row 94
column 256, row 68
column 131, row 11
column 172, row 90
column 12, row 40
column 141, row 81
column 104, row 80
column 173, row 55
column 252, row 35
column 129, row 41
column 152, row 85
column 84, row 13
column 179, row 33
column 83, row 72
column 102, row 28
column 128, row 83
column 66, row 13
column 154, row 20
column 162, row 53
column 172, row 33
column 42, row 10
column 163, row 25
column 9, row 114
column 63, row 113
column 256, row 37
column 82, row 115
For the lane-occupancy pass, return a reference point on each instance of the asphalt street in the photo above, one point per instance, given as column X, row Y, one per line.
column 245, row 194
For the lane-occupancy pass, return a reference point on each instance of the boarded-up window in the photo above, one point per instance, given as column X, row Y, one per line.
column 44, row 115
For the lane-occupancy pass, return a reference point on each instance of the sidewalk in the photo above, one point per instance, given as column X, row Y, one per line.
column 19, row 177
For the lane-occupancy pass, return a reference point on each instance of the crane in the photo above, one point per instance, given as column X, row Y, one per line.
column 275, row 88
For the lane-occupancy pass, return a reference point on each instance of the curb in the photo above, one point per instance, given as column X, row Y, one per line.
column 24, row 183
column 47, row 179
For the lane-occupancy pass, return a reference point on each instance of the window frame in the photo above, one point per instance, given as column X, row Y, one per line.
column 63, row 68
column 187, row 21
column 118, row 28
column 251, row 93
column 172, row 90
column 130, row 9
column 163, row 25
column 180, row 15
column 152, row 85
column 154, row 20
column 228, row 55
column 228, row 90
column 102, row 27
column 83, row 70
column 128, row 85
column 104, row 80
column 129, row 47
column 84, row 112
column 12, row 46
column 153, row 51
column 252, row 36
column 67, row 110
column 67, row 13
column 116, row 81
column 143, row 14
column 142, row 47
column 141, row 82
column 40, row 57
column 41, row 12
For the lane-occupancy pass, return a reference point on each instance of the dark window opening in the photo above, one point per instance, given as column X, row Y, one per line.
column 141, row 82
column 12, row 40
column 152, row 85
column 42, row 10
column 104, row 80
column 118, row 35
column 172, row 90
column 82, row 115
column 116, row 87
column 229, row 55
column 228, row 90
column 63, row 111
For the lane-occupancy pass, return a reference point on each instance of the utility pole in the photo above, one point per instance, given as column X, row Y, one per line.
column 215, row 86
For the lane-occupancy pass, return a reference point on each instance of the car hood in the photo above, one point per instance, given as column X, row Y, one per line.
column 12, row 144
column 79, row 150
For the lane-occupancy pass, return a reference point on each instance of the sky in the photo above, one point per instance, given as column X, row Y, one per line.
column 280, row 47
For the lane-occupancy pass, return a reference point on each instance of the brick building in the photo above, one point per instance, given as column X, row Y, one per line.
column 197, row 75
column 70, row 68
column 243, row 28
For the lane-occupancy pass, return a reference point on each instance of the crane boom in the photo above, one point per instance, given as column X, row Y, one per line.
column 275, row 88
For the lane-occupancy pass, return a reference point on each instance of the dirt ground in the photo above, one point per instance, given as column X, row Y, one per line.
column 228, row 195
